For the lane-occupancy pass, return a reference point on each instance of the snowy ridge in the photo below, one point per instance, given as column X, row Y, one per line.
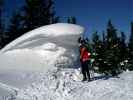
column 48, row 32
column 65, row 85
column 43, row 49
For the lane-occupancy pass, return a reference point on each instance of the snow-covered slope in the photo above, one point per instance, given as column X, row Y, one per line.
column 32, row 68
column 42, row 49
column 65, row 84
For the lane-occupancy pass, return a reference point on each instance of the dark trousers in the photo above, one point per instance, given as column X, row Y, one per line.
column 85, row 69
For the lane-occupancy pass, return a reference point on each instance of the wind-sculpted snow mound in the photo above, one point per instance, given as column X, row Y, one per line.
column 65, row 84
column 44, row 48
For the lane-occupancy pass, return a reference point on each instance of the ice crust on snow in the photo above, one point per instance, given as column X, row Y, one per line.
column 43, row 48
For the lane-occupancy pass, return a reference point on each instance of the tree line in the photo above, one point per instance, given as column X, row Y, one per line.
column 111, row 51
column 33, row 14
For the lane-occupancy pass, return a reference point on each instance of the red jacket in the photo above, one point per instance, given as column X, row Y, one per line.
column 84, row 54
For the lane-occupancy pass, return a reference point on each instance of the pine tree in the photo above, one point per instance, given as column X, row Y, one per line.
column 130, row 47
column 37, row 13
column 107, row 51
column 112, row 53
column 15, row 27
column 1, row 8
column 123, row 47
column 2, row 35
column 104, row 38
column 72, row 20
column 111, row 34
column 95, row 43
column 56, row 19
column 123, row 53
column 96, row 51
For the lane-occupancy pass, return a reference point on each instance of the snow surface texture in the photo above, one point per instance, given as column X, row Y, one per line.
column 42, row 49
column 65, row 84
column 11, row 81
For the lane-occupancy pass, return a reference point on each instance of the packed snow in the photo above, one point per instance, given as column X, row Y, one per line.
column 66, row 84
column 43, row 65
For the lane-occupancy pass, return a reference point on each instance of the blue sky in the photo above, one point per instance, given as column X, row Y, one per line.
column 92, row 14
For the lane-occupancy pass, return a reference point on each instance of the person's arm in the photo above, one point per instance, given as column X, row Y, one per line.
column 82, row 51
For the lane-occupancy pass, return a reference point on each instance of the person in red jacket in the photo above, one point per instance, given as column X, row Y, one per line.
column 85, row 59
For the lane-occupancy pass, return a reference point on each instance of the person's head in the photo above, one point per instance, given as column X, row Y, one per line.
column 83, row 42
column 79, row 40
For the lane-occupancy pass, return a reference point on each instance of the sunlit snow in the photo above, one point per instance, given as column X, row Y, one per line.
column 43, row 48
column 42, row 65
